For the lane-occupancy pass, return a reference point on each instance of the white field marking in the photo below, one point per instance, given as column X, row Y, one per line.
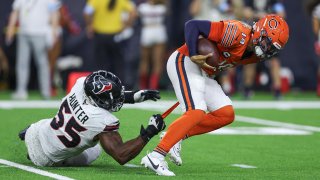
column 163, row 105
column 132, row 166
column 282, row 105
column 34, row 170
column 243, row 166
column 258, row 131
column 276, row 124
column 32, row 104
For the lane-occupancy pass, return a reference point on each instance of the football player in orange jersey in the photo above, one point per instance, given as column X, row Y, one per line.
column 205, row 105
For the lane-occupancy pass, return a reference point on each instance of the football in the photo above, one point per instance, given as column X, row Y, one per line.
column 205, row 47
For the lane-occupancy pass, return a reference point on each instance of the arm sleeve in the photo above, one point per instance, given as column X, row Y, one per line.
column 192, row 30
column 112, row 127
column 209, row 30
column 129, row 97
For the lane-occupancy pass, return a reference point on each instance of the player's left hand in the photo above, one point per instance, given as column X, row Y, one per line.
column 146, row 94
column 201, row 60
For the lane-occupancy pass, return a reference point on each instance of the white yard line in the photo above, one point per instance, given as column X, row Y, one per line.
column 34, row 170
column 243, row 166
column 165, row 104
column 29, row 104
column 259, row 131
column 277, row 124
column 283, row 105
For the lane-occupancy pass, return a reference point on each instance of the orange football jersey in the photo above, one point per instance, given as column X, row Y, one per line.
column 232, row 38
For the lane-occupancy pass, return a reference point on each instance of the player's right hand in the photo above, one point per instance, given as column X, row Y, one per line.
column 155, row 125
column 201, row 60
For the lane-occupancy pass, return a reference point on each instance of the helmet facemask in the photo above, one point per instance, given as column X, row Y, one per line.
column 117, row 103
column 110, row 103
column 264, row 47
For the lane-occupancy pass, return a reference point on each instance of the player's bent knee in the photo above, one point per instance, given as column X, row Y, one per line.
column 195, row 113
column 226, row 114
column 93, row 153
column 83, row 159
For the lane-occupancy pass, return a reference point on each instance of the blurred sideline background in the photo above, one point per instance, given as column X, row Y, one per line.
column 144, row 47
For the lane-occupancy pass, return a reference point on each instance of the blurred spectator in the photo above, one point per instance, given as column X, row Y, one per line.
column 212, row 10
column 153, row 39
column 4, row 69
column 314, row 9
column 36, row 18
column 105, row 22
column 65, row 23
column 254, row 10
column 178, row 15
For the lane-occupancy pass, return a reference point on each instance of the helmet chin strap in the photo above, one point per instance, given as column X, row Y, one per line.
column 259, row 52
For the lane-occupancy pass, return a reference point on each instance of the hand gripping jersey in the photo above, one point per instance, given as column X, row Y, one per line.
column 232, row 38
column 75, row 126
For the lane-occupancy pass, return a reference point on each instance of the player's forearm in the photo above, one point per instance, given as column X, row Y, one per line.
column 129, row 150
column 193, row 29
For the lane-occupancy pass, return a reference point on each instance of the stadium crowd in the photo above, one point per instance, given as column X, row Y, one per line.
column 133, row 39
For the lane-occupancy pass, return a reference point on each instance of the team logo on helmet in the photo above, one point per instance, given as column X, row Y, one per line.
column 273, row 24
column 99, row 86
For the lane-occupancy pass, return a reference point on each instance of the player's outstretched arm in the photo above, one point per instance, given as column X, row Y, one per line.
column 192, row 30
column 141, row 95
column 123, row 152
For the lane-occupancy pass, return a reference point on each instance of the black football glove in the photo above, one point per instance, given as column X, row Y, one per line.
column 155, row 125
column 146, row 94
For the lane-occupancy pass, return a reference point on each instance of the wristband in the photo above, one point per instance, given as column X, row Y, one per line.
column 128, row 97
column 144, row 134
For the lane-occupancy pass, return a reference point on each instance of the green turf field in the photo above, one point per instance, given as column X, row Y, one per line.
column 204, row 157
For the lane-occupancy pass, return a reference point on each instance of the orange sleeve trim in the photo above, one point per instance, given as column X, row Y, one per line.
column 216, row 31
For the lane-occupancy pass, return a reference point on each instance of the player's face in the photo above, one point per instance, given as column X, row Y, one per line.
column 264, row 47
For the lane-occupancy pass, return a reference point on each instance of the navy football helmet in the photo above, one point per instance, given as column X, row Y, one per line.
column 105, row 90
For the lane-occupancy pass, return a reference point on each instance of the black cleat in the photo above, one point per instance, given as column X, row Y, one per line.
column 22, row 133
